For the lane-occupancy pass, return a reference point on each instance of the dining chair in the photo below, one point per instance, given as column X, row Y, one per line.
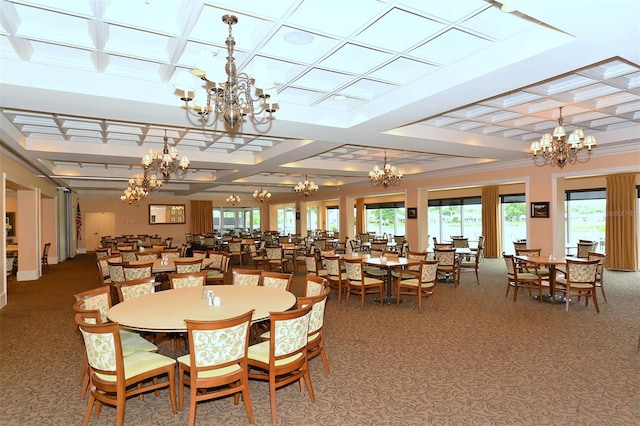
column 199, row 254
column 276, row 280
column 245, row 277
column 315, row 335
column 170, row 253
column 580, row 281
column 218, row 268
column 187, row 264
column 95, row 303
column 216, row 364
column 335, row 276
column 282, row 359
column 135, row 288
column 128, row 255
column 460, row 242
column 478, row 247
column 114, row 377
column 256, row 257
column 116, row 271
column 518, row 277
column 448, row 264
column 44, row 260
column 529, row 266
column 584, row 247
column 187, row 279
column 102, row 252
column 147, row 256
column 471, row 263
column 103, row 267
column 235, row 251
column 601, row 258
column 420, row 283
column 315, row 285
column 275, row 258
column 359, row 284
column 10, row 261
column 313, row 265
column 519, row 245
column 137, row 271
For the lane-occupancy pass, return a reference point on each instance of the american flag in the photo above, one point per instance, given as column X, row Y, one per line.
column 78, row 223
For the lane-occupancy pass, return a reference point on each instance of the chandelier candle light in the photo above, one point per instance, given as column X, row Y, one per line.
column 557, row 149
column 165, row 162
column 229, row 94
column 233, row 199
column 306, row 188
column 386, row 176
column 262, row 195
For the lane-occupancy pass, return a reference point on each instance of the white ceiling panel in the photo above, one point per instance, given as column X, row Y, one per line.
column 88, row 86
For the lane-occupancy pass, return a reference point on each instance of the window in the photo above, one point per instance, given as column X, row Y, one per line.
column 236, row 220
column 585, row 216
column 386, row 218
column 312, row 218
column 333, row 218
column 287, row 220
column 455, row 216
column 514, row 220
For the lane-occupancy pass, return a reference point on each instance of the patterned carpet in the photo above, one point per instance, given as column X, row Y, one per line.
column 477, row 358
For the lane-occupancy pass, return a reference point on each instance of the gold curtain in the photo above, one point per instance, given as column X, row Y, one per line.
column 201, row 217
column 490, row 223
column 621, row 236
column 360, row 216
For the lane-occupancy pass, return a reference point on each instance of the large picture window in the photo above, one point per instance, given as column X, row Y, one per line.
column 585, row 216
column 514, row 220
column 455, row 216
column 333, row 218
column 386, row 218
column 236, row 220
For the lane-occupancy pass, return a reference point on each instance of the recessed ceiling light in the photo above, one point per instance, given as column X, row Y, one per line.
column 298, row 37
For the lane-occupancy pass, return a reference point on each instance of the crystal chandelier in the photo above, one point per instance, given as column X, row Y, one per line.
column 306, row 188
column 233, row 199
column 557, row 149
column 262, row 195
column 228, row 94
column 133, row 194
column 165, row 162
column 386, row 176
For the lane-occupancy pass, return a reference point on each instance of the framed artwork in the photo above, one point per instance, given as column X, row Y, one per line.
column 10, row 224
column 540, row 210
column 412, row 212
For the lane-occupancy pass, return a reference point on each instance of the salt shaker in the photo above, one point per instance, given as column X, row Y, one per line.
column 210, row 301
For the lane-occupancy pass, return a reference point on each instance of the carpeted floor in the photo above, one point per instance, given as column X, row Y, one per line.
column 477, row 358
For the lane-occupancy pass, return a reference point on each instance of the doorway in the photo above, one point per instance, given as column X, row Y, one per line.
column 98, row 224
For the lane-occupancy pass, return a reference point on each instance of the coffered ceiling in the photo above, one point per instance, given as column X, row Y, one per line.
column 86, row 87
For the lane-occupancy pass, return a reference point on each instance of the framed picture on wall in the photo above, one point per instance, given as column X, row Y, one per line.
column 540, row 210
column 412, row 212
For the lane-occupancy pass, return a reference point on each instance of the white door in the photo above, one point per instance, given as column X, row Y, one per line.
column 98, row 224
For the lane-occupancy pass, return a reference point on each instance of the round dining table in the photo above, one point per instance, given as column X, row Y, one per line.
column 165, row 311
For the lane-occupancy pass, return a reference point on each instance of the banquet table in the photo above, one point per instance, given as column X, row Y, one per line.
column 165, row 311
column 388, row 263
column 161, row 268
